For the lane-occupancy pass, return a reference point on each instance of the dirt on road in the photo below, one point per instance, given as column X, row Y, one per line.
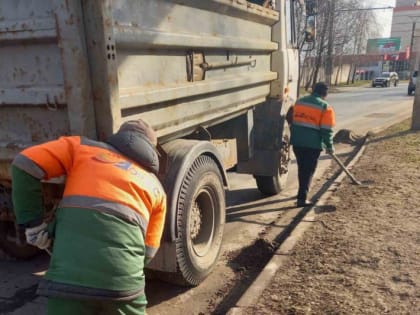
column 363, row 257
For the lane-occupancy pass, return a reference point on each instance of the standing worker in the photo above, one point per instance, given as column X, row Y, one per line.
column 108, row 224
column 311, row 120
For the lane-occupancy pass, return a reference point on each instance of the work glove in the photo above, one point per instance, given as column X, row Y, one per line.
column 38, row 236
column 330, row 151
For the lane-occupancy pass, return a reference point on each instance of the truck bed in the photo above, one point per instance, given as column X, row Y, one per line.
column 84, row 67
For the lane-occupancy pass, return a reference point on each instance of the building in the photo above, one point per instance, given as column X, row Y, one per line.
column 406, row 25
column 403, row 59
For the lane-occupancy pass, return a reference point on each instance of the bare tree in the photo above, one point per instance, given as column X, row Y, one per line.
column 342, row 29
column 320, row 45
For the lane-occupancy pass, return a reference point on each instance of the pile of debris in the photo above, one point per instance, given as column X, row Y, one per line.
column 349, row 137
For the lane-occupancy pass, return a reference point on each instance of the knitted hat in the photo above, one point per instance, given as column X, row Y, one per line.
column 137, row 140
column 141, row 127
column 320, row 88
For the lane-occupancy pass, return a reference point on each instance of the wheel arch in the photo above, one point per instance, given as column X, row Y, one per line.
column 181, row 153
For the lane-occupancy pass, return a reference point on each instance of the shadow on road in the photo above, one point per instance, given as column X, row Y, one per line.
column 166, row 291
column 20, row 298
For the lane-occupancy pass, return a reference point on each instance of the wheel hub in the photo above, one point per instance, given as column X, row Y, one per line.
column 196, row 221
column 202, row 223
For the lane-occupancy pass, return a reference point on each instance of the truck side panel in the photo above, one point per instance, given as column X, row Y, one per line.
column 44, row 78
column 175, row 69
column 158, row 60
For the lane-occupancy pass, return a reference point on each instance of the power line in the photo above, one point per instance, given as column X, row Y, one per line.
column 364, row 9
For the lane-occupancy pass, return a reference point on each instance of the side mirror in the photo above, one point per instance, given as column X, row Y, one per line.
column 310, row 28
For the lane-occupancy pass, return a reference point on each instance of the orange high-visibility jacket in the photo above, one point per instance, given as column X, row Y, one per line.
column 312, row 123
column 100, row 178
column 314, row 115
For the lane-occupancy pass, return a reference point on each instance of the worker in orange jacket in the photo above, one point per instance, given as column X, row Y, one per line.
column 311, row 122
column 108, row 224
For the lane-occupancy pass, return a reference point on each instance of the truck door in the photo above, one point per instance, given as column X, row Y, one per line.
column 292, row 46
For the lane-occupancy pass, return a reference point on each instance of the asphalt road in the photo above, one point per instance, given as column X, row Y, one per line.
column 366, row 108
column 248, row 212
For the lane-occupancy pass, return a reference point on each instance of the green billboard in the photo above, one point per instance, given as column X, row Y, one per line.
column 383, row 45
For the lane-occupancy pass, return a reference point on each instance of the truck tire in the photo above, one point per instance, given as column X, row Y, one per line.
column 272, row 185
column 9, row 245
column 200, row 220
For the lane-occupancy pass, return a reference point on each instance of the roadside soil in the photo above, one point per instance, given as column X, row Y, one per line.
column 362, row 256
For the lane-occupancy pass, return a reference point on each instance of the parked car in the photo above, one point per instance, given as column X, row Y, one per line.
column 412, row 82
column 386, row 79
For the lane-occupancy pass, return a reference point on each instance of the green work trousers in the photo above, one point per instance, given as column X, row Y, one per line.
column 60, row 306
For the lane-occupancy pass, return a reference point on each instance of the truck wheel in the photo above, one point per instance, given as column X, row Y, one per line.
column 272, row 185
column 9, row 245
column 200, row 220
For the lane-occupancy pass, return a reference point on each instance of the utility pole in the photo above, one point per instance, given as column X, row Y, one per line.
column 411, row 64
column 415, row 119
column 329, row 62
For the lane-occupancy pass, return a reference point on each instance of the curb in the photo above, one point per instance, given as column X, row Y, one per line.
column 254, row 291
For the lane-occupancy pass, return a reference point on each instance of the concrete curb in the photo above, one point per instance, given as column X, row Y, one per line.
column 254, row 291
column 251, row 295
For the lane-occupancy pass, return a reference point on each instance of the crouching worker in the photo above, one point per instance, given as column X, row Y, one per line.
column 108, row 224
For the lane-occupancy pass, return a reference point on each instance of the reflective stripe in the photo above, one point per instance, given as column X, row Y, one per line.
column 98, row 144
column 327, row 126
column 308, row 125
column 151, row 251
column 106, row 206
column 314, row 106
column 62, row 290
column 29, row 166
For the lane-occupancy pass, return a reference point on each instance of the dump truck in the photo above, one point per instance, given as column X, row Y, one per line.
column 214, row 78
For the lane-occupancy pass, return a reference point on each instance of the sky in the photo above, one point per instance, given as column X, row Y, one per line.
column 384, row 16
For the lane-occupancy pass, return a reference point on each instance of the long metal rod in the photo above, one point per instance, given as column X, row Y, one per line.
column 353, row 179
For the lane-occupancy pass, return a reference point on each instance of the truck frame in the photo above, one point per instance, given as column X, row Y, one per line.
column 214, row 79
